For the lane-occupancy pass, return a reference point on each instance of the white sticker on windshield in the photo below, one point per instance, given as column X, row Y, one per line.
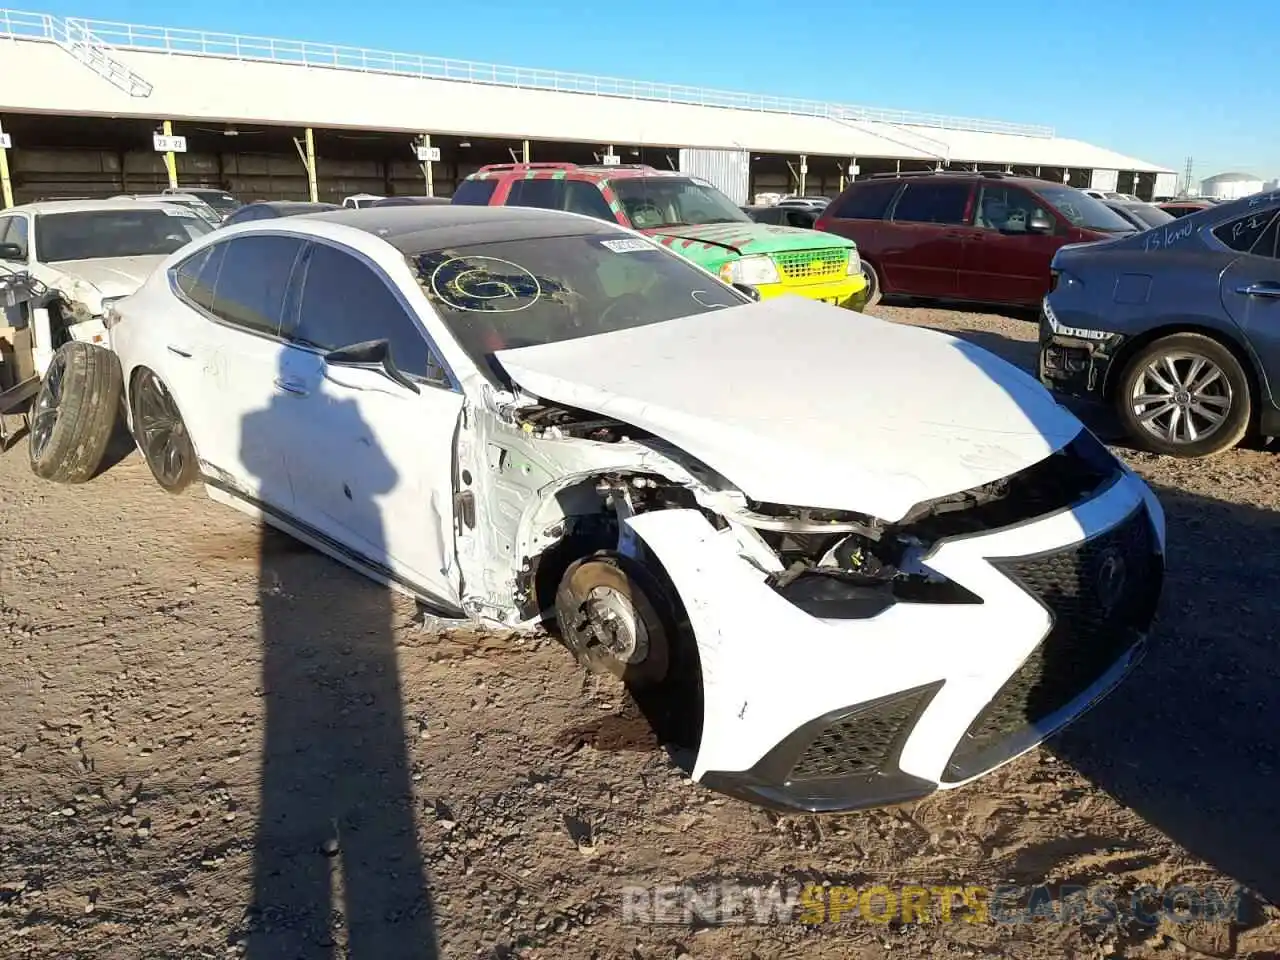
column 629, row 245
column 173, row 211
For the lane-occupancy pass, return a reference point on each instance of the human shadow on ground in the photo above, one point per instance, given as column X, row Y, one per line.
column 338, row 867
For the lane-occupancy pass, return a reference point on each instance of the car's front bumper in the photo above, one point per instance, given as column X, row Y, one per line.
column 823, row 715
column 1075, row 366
column 848, row 291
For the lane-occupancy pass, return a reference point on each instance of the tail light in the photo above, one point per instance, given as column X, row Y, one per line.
column 822, row 222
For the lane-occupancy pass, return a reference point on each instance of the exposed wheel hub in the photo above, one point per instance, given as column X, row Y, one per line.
column 612, row 622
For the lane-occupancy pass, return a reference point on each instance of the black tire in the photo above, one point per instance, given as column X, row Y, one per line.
column 1176, row 357
column 74, row 413
column 873, row 285
column 161, row 434
column 666, row 684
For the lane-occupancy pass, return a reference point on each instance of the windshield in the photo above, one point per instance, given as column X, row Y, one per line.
column 222, row 202
column 1083, row 210
column 655, row 202
column 521, row 293
column 1149, row 216
column 102, row 234
column 202, row 209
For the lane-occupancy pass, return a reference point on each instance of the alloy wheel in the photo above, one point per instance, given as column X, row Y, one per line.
column 1181, row 397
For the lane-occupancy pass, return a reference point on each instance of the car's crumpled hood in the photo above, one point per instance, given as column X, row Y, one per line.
column 801, row 403
column 744, row 238
column 113, row 277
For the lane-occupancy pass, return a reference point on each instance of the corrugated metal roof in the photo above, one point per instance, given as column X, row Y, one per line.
column 227, row 78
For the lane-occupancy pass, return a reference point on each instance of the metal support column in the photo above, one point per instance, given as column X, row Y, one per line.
column 311, row 166
column 428, row 168
column 170, row 158
column 6, row 185
column 526, row 151
column 804, row 170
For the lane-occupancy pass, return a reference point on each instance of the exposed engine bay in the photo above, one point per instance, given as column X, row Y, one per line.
column 831, row 564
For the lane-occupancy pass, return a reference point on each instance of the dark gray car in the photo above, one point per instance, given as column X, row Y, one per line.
column 1178, row 328
column 1144, row 216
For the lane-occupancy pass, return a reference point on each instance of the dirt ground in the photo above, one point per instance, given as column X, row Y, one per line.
column 441, row 792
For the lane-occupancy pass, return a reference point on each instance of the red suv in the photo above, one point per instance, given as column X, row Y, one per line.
column 983, row 237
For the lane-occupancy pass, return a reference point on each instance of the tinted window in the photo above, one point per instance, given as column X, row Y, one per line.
column 801, row 218
column 344, row 301
column 197, row 276
column 1244, row 233
column 102, row 234
column 1268, row 244
column 583, row 197
column 1146, row 215
column 867, row 200
column 932, row 203
column 547, row 194
column 253, row 281
column 518, row 293
column 475, row 193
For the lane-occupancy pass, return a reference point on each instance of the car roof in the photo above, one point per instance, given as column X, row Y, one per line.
column 292, row 205
column 164, row 197
column 413, row 229
column 74, row 206
column 554, row 171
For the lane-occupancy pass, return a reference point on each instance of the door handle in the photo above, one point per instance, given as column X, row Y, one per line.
column 291, row 386
column 178, row 351
column 1260, row 290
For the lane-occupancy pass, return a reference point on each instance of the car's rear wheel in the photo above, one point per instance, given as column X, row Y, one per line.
column 74, row 412
column 161, row 434
column 1185, row 395
column 873, row 284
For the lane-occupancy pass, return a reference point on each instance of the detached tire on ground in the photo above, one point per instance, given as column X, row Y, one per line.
column 1185, row 395
column 75, row 412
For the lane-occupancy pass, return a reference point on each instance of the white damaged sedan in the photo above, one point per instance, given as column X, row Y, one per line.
column 843, row 562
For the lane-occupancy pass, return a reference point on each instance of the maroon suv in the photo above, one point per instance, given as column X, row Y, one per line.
column 984, row 237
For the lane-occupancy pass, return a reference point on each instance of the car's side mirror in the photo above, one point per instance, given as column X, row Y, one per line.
column 747, row 290
column 371, row 355
column 11, row 251
column 1040, row 223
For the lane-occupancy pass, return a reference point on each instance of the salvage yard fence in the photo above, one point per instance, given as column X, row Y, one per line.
column 23, row 25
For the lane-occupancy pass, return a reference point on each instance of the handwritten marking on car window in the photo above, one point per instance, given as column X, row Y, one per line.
column 627, row 245
column 699, row 295
column 1255, row 222
column 485, row 285
column 1158, row 238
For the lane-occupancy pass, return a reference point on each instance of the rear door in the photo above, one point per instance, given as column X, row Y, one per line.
column 1004, row 261
column 1251, row 285
column 236, row 293
column 921, row 246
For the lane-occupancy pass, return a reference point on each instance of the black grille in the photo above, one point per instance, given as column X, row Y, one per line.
column 863, row 740
column 1097, row 615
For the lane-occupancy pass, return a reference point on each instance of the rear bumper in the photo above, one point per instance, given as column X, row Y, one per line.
column 825, row 715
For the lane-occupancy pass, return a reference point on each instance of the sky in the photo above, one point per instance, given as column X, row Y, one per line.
column 1161, row 81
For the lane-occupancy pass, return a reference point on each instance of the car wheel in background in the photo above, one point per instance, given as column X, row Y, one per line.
column 873, row 285
column 74, row 413
column 161, row 434
column 1185, row 395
